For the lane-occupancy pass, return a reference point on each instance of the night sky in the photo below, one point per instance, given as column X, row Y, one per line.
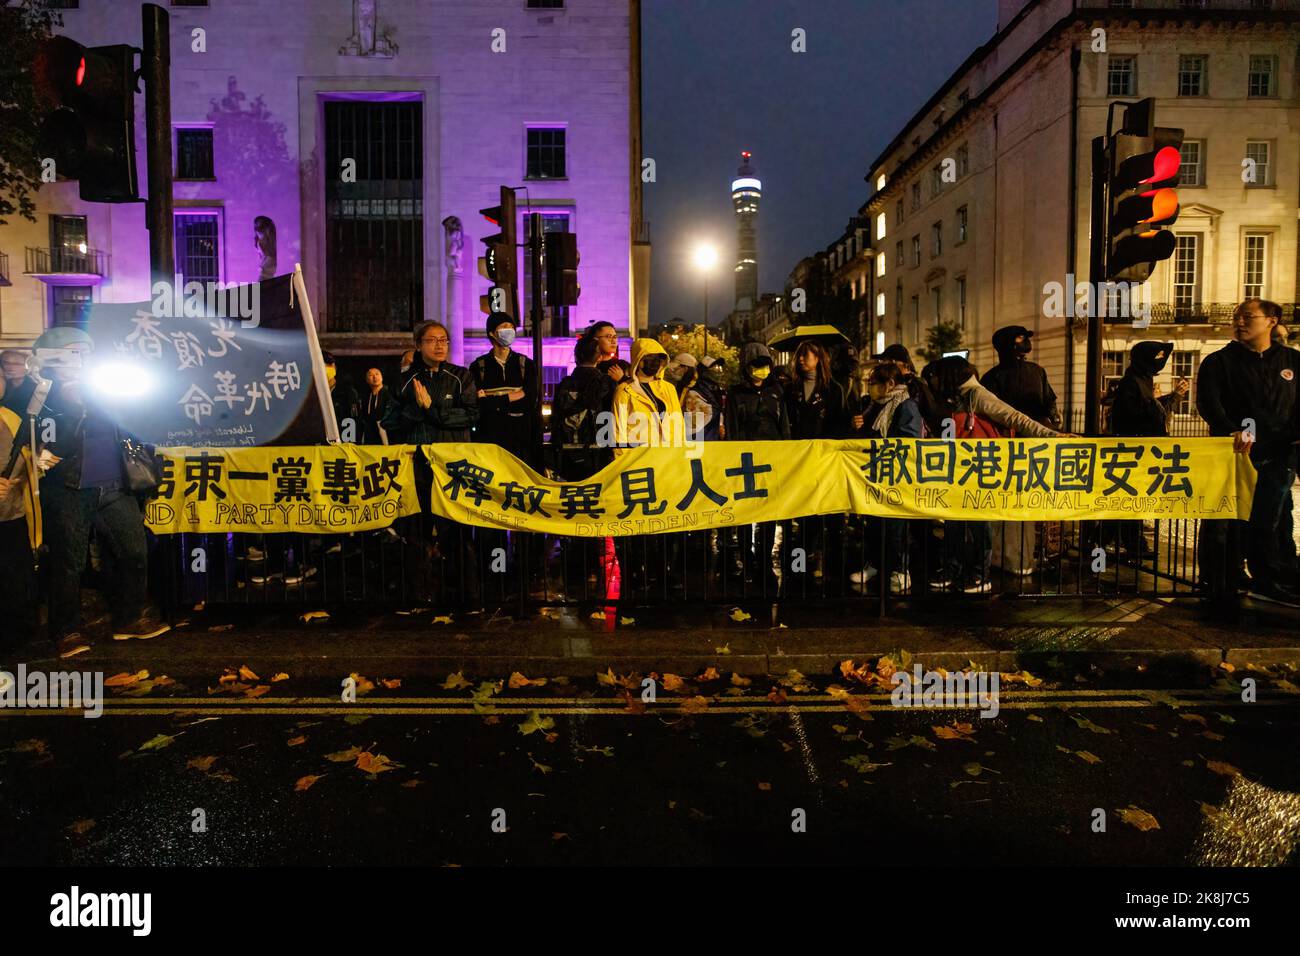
column 719, row 76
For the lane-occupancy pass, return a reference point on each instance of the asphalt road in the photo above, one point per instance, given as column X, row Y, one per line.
column 572, row 773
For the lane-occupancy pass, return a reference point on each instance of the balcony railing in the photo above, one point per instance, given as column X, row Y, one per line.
column 1192, row 6
column 4, row 269
column 53, row 262
column 1201, row 313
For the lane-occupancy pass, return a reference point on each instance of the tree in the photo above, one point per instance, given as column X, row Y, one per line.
column 23, row 27
column 942, row 337
column 694, row 341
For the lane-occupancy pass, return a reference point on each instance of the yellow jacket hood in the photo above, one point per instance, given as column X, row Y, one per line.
column 643, row 347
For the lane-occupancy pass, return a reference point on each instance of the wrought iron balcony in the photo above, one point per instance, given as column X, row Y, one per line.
column 1193, row 6
column 64, row 262
column 1200, row 313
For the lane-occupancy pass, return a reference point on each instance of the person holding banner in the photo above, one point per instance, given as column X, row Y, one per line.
column 85, row 490
column 436, row 402
column 817, row 408
column 506, row 391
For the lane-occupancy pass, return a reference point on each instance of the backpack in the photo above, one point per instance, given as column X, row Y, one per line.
column 968, row 425
column 577, row 409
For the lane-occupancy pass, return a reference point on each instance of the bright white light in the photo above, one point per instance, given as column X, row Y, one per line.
column 880, row 341
column 880, row 182
column 746, row 184
column 705, row 257
column 81, row 247
column 113, row 379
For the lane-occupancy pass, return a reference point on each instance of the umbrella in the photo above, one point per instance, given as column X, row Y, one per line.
column 791, row 339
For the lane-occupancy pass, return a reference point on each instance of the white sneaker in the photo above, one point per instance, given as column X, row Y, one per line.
column 300, row 576
column 863, row 576
column 978, row 586
column 899, row 581
column 254, row 554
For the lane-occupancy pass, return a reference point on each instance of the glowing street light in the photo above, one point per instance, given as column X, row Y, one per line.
column 705, row 258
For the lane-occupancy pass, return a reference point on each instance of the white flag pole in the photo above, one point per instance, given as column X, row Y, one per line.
column 317, row 360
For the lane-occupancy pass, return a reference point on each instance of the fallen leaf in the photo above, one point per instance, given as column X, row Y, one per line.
column 1210, row 735
column 1020, row 677
column 837, row 692
column 305, row 783
column 1224, row 665
column 518, row 680
column 764, row 786
column 607, row 678
column 672, row 682
column 158, row 742
column 1226, row 769
column 708, row 674
column 738, row 615
column 441, row 619
column 956, row 731
column 1195, row 718
column 776, row 695
column 125, row 679
column 738, row 681
column 555, row 837
column 540, row 767
column 257, row 691
column 1088, row 724
column 839, row 728
column 217, row 628
column 343, row 756
column 898, row 743
column 297, row 741
column 247, row 673
column 455, row 681
column 863, row 764
column 363, row 684
column 412, row 783
column 598, row 616
column 1035, row 718
column 391, row 683
column 695, row 705
column 202, row 764
column 536, row 722
column 374, row 763
column 627, row 621
column 310, row 616
column 81, row 827
column 279, row 677
column 1137, row 817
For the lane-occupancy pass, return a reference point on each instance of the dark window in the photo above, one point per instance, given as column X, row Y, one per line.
column 552, row 375
column 64, row 4
column 1121, row 76
column 189, row 3
column 194, row 154
column 197, row 248
column 68, row 244
column 551, row 222
column 545, row 4
column 546, row 153
column 374, row 229
column 69, row 304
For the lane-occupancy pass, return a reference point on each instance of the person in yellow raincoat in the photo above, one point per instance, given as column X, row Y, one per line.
column 20, row 530
column 646, row 408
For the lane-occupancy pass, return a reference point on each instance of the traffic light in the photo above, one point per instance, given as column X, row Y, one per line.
column 562, row 269
column 87, row 95
column 1143, row 163
column 498, row 261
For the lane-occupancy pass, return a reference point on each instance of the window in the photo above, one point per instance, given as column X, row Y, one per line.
column 880, row 304
column 963, row 160
column 938, row 120
column 546, row 5
column 551, row 222
column 1183, row 365
column 898, row 212
column 1192, row 171
column 916, row 318
column 936, row 240
column 961, row 224
column 197, row 248
column 1263, row 76
column 189, row 3
column 1187, row 292
column 1254, row 261
column 545, row 153
column 68, row 244
column 64, row 4
column 1121, row 76
column 1259, row 153
column 1191, row 75
column 880, row 267
column 916, row 196
column 194, row 154
column 898, row 300
column 1121, row 4
column 916, row 250
column 552, row 375
column 961, row 301
column 898, row 253
column 374, row 227
column 1192, row 4
column 963, row 98
column 69, row 305
column 936, row 298
column 1112, row 367
column 880, row 226
column 936, row 180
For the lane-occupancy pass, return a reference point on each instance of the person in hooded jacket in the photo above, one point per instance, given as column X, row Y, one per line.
column 1137, row 412
column 1020, row 383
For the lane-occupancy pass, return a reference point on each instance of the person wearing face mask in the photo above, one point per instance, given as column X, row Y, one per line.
column 756, row 409
column 506, row 385
column 1020, row 383
column 646, row 408
column 892, row 413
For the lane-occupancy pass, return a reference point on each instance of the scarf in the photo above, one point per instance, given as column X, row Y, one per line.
column 897, row 395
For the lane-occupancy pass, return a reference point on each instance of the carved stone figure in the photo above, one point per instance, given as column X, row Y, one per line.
column 366, row 39
column 455, row 243
column 264, row 242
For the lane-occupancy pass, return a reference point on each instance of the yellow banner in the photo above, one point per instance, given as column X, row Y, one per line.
column 712, row 484
column 321, row 489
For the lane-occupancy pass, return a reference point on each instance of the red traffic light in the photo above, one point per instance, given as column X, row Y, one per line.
column 1165, row 165
column 81, row 71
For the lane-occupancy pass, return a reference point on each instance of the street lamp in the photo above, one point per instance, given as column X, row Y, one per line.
column 705, row 257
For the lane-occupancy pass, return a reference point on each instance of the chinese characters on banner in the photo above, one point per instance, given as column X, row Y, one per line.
column 655, row 490
column 319, row 489
column 204, row 379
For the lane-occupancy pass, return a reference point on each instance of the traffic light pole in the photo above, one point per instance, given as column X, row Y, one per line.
column 535, row 239
column 155, row 68
column 1096, row 280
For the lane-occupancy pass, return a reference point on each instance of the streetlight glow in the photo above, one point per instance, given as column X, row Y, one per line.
column 705, row 256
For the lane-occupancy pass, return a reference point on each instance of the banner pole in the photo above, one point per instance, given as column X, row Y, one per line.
column 317, row 360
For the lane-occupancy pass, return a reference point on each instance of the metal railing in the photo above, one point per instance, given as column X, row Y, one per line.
column 60, row 261
column 1192, row 6
column 1200, row 313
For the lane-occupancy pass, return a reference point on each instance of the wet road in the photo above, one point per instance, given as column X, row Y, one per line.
column 712, row 772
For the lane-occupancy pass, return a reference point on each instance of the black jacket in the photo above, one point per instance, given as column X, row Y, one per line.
column 372, row 409
column 1024, row 386
column 1135, row 411
column 823, row 415
column 1237, row 382
column 580, row 399
column 515, row 426
column 757, row 412
column 451, row 416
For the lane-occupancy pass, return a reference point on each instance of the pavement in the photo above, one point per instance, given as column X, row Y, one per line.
column 753, row 639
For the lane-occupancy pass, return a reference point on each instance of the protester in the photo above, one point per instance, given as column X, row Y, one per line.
column 84, row 490
column 605, row 336
column 615, row 369
column 580, row 398
column 373, row 407
column 892, row 413
column 18, row 384
column 701, row 404
column 974, row 413
column 1020, row 383
column 404, row 365
column 1137, row 411
column 344, row 398
column 646, row 408
column 436, row 402
column 917, row 389
column 707, row 400
column 1253, row 377
column 20, row 527
column 680, row 372
column 756, row 408
column 814, row 401
column 506, row 388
